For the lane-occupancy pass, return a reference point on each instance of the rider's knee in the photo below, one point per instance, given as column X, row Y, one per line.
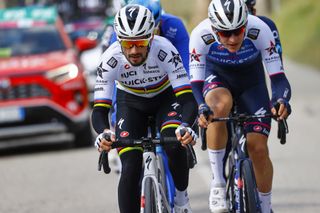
column 257, row 146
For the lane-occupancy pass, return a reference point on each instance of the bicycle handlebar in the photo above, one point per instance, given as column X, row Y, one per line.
column 282, row 125
column 104, row 161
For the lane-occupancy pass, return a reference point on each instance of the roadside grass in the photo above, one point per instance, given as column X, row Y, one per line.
column 298, row 22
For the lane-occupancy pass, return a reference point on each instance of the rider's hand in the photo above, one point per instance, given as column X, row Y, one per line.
column 205, row 115
column 283, row 111
column 189, row 136
column 101, row 143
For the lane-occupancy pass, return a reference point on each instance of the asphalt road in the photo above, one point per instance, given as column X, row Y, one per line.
column 67, row 180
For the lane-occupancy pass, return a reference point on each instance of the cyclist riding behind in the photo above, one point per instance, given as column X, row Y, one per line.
column 151, row 80
column 166, row 25
column 252, row 10
column 227, row 52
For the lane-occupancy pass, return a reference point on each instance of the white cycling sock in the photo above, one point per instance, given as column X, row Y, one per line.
column 216, row 162
column 265, row 202
column 181, row 197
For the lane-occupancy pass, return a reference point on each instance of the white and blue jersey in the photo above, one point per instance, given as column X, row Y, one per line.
column 259, row 43
column 275, row 33
column 242, row 73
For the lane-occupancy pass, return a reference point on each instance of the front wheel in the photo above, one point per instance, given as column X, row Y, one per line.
column 150, row 199
column 251, row 202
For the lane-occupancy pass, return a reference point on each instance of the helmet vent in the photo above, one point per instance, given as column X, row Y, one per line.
column 142, row 23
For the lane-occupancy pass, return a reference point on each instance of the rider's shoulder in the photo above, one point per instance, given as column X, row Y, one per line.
column 256, row 22
column 161, row 42
column 203, row 27
column 256, row 28
column 202, row 34
column 172, row 19
column 112, row 55
column 268, row 21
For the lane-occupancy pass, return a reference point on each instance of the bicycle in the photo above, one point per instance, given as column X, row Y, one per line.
column 241, row 187
column 157, row 186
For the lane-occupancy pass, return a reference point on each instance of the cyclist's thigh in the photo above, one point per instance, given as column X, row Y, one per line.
column 255, row 100
column 131, row 122
column 217, row 95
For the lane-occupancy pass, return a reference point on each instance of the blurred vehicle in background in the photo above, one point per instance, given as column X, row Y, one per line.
column 43, row 92
column 86, row 18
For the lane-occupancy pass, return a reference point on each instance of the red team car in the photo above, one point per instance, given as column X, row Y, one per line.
column 43, row 92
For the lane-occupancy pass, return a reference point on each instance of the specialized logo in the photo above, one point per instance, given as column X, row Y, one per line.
column 162, row 55
column 194, row 56
column 112, row 62
column 227, row 4
column 261, row 111
column 272, row 49
column 148, row 161
column 210, row 78
column 131, row 10
column 175, row 59
column 175, row 105
column 242, row 142
column 120, row 122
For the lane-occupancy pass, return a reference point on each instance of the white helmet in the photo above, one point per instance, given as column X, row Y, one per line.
column 227, row 14
column 134, row 21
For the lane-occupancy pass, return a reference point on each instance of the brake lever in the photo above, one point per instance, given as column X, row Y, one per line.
column 103, row 161
column 190, row 151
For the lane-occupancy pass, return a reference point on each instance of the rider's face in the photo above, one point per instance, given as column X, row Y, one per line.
column 232, row 40
column 136, row 51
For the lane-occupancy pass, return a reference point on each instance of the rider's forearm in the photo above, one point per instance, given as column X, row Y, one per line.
column 197, row 91
column 99, row 119
column 281, row 88
column 189, row 108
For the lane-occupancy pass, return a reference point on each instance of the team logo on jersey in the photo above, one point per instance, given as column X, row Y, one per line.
column 162, row 55
column 253, row 33
column 124, row 134
column 126, row 66
column 171, row 114
column 100, row 71
column 220, row 47
column 175, row 59
column 272, row 49
column 194, row 56
column 112, row 62
column 257, row 128
column 208, row 38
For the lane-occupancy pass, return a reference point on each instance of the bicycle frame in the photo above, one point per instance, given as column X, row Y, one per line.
column 151, row 170
column 169, row 180
column 238, row 155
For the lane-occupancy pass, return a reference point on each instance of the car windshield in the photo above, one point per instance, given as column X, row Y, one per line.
column 30, row 41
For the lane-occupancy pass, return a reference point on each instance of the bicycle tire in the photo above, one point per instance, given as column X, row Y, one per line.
column 162, row 180
column 231, row 191
column 150, row 205
column 249, row 190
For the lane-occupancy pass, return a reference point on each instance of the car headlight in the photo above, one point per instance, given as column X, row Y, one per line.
column 64, row 73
